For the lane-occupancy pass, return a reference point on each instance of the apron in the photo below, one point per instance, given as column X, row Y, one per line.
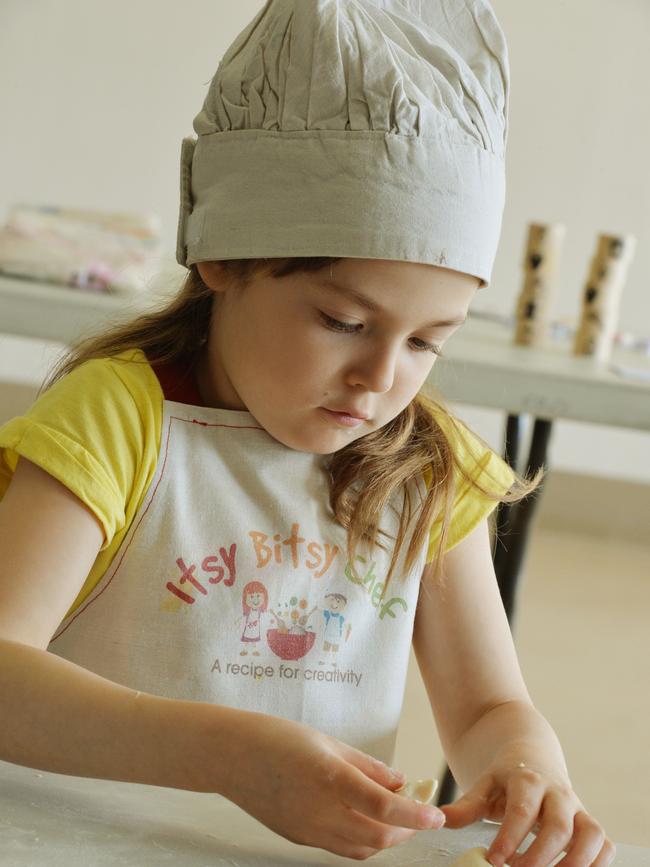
column 232, row 586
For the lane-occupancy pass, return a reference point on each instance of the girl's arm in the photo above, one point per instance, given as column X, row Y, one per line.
column 59, row 717
column 56, row 715
column 307, row 786
column 503, row 753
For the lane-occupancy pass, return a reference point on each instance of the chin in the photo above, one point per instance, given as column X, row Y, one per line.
column 318, row 444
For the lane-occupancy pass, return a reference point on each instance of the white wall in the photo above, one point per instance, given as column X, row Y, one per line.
column 95, row 99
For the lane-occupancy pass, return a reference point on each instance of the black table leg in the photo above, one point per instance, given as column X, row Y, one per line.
column 511, row 547
column 512, row 533
column 511, row 456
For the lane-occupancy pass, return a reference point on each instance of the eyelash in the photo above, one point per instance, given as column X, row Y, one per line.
column 347, row 328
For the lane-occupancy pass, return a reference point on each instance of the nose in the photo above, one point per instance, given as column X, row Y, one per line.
column 375, row 371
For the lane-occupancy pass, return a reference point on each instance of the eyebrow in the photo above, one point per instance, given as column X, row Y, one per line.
column 369, row 304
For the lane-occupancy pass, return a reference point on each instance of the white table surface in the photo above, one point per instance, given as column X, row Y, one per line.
column 481, row 367
column 59, row 821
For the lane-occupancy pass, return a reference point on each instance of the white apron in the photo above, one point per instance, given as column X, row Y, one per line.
column 231, row 587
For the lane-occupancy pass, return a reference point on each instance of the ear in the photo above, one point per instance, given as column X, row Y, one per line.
column 212, row 275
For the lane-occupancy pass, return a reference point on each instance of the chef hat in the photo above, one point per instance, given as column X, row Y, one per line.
column 353, row 128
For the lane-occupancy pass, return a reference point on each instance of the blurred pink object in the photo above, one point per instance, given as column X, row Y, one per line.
column 98, row 251
column 97, row 277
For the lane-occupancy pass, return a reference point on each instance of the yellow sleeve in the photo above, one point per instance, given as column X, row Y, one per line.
column 470, row 506
column 96, row 430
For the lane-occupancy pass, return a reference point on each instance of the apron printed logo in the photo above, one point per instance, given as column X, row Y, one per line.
column 255, row 601
column 296, row 640
column 290, row 642
column 209, row 565
column 375, row 590
column 322, row 554
column 294, row 637
column 258, row 672
column 318, row 562
column 334, row 620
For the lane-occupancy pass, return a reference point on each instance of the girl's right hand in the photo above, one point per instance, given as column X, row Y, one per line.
column 317, row 791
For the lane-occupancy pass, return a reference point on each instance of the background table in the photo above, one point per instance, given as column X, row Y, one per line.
column 51, row 820
column 481, row 366
column 485, row 369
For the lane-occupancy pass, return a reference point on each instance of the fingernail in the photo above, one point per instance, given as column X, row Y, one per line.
column 432, row 819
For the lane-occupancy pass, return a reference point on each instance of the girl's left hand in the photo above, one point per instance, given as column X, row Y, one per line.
column 525, row 800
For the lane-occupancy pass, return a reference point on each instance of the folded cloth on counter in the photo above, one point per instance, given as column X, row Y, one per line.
column 94, row 250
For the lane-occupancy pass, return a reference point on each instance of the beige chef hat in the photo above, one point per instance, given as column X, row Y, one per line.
column 353, row 128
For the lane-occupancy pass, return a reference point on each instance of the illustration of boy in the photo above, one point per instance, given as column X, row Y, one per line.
column 335, row 604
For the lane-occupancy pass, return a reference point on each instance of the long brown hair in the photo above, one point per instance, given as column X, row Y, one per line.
column 417, row 441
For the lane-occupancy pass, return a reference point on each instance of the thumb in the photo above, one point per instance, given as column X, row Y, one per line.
column 471, row 806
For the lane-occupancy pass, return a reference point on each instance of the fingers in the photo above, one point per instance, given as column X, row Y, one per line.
column 606, row 855
column 347, row 849
column 560, row 830
column 374, row 769
column 524, row 796
column 588, row 845
column 555, row 833
column 472, row 806
column 373, row 817
column 377, row 803
column 361, row 830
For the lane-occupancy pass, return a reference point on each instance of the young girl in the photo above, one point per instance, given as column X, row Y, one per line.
column 268, row 429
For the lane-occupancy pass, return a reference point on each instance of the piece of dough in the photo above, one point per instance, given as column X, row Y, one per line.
column 473, row 858
column 421, row 791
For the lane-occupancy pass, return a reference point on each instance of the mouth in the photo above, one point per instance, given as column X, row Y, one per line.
column 345, row 418
column 353, row 413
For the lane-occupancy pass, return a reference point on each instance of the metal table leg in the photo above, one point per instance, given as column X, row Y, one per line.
column 515, row 529
column 511, row 456
column 512, row 533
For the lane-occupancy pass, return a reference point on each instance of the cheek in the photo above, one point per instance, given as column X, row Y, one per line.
column 297, row 350
column 420, row 377
column 410, row 378
column 274, row 352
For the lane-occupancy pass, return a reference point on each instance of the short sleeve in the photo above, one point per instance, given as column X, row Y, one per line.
column 471, row 506
column 97, row 431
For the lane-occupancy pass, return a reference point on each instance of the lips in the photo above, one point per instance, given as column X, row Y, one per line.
column 355, row 413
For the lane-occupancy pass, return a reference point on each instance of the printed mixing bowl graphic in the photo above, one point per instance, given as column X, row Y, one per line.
column 293, row 638
column 290, row 644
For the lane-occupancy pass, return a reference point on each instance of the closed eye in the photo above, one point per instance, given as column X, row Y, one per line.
column 349, row 328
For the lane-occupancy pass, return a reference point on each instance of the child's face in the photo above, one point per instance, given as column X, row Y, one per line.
column 271, row 352
column 254, row 600
column 335, row 604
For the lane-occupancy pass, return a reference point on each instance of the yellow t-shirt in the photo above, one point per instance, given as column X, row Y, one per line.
column 98, row 429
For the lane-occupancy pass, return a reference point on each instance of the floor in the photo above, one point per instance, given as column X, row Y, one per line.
column 583, row 638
